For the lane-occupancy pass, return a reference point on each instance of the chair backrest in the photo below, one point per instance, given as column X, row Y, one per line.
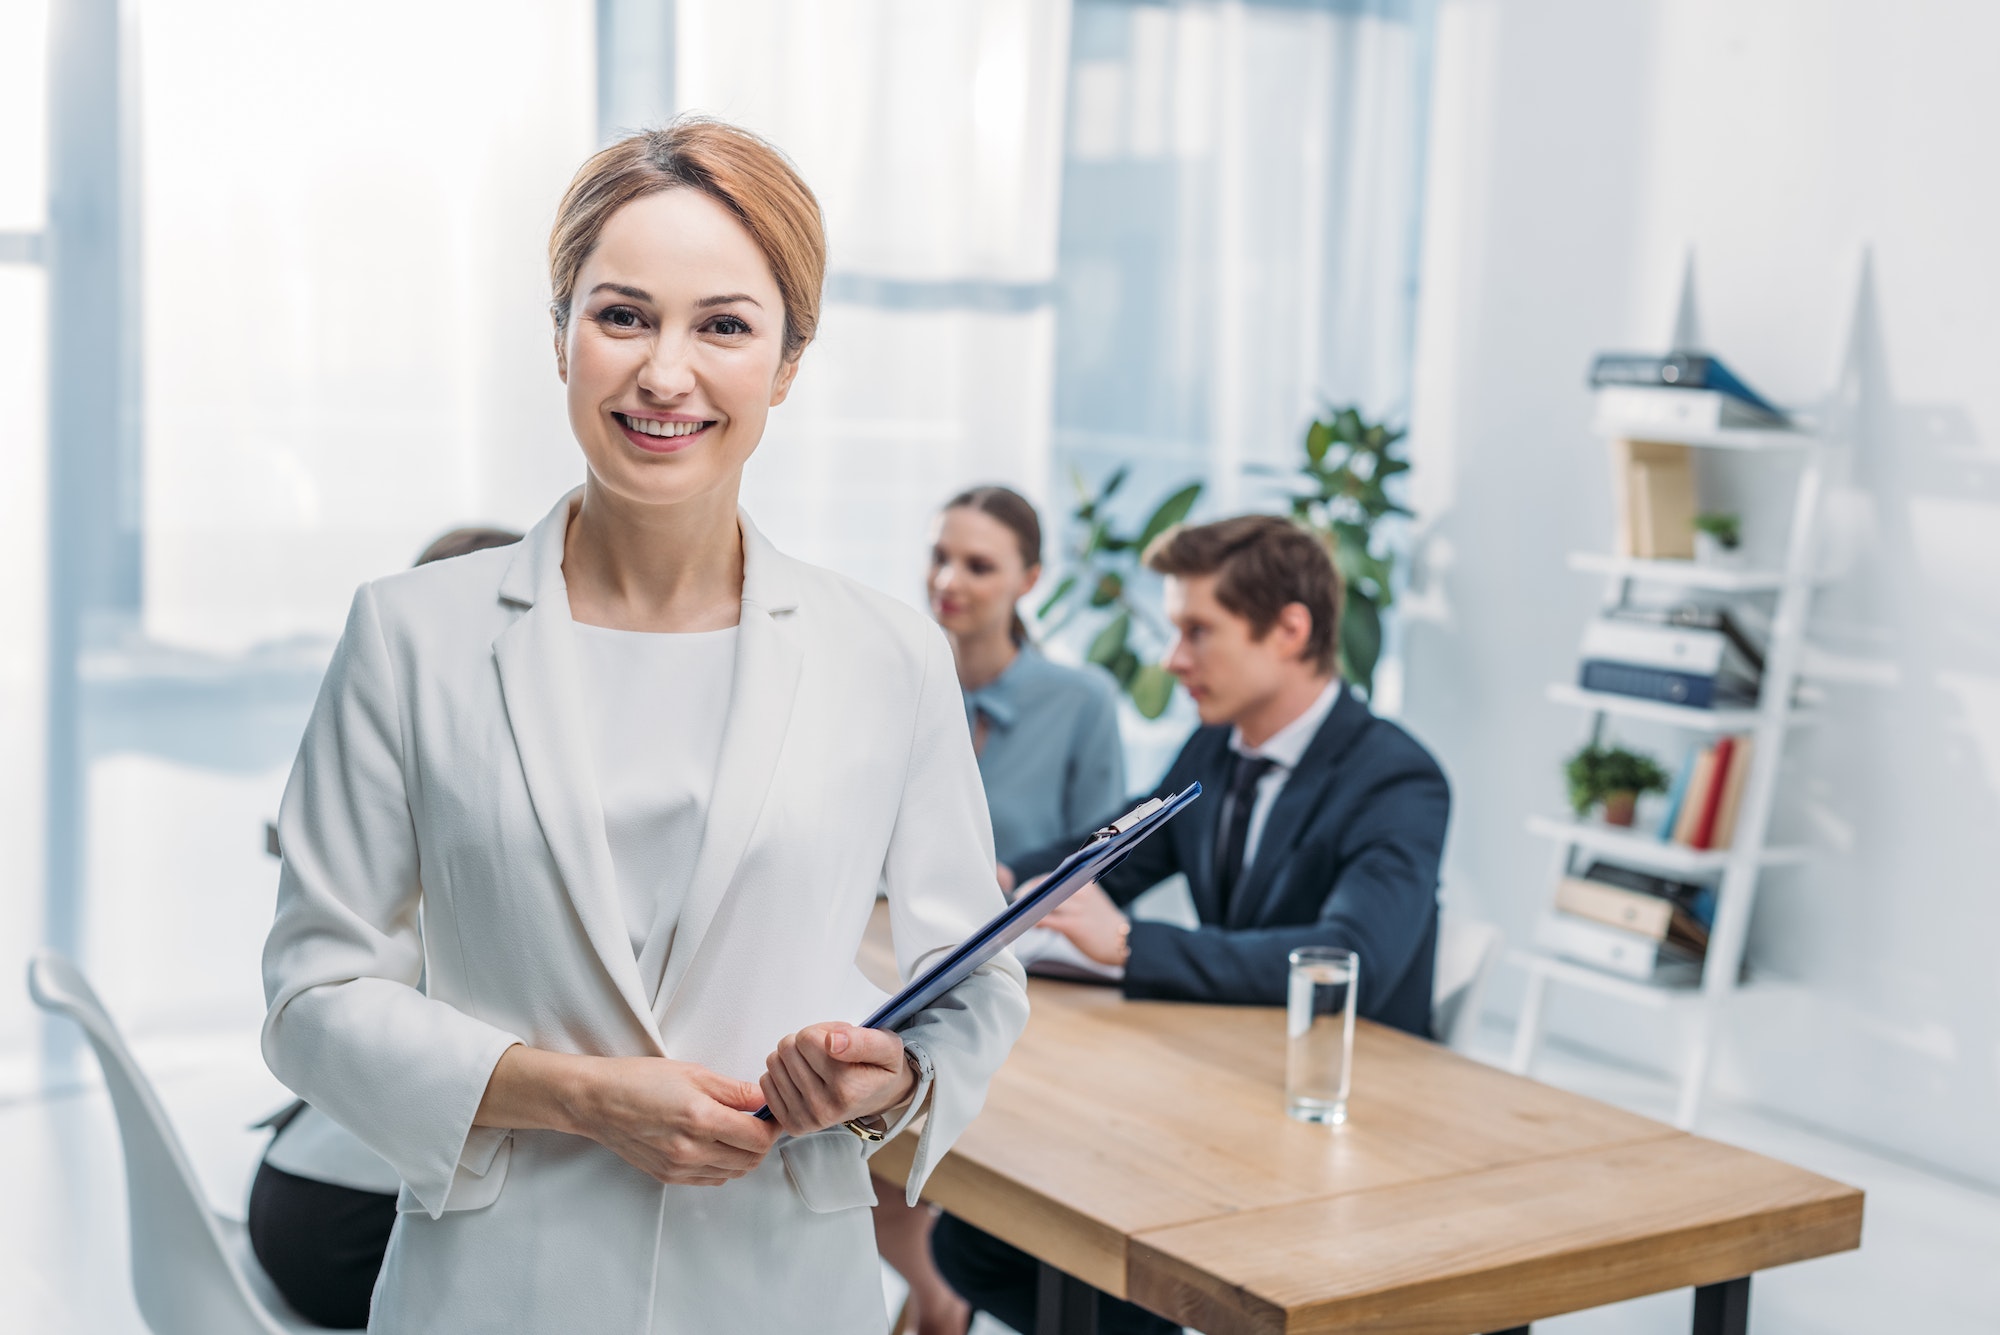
column 1465, row 954
column 183, row 1275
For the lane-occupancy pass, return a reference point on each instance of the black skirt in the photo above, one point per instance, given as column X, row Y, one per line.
column 321, row 1245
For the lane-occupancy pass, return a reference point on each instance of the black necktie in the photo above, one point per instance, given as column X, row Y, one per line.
column 1237, row 805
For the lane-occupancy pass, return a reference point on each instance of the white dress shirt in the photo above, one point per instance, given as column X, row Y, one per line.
column 1041, row 947
column 1284, row 748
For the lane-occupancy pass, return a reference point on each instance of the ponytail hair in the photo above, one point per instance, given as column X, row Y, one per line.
column 1014, row 510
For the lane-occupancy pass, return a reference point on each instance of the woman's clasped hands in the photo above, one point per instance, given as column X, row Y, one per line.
column 683, row 1124
column 831, row 1073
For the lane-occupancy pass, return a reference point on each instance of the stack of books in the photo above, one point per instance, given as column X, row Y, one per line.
column 1630, row 923
column 1680, row 391
column 1702, row 805
column 1691, row 656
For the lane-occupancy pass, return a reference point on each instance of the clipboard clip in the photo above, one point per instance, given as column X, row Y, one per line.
column 1127, row 821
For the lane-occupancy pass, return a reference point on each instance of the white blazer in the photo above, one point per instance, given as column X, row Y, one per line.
column 442, row 823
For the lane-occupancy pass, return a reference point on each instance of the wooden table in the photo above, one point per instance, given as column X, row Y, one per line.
column 1141, row 1149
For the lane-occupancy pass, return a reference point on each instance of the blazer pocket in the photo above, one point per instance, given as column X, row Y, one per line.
column 828, row 1170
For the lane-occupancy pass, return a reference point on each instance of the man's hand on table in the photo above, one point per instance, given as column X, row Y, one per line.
column 1094, row 926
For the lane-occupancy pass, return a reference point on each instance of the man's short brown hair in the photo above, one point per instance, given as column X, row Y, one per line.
column 1261, row 563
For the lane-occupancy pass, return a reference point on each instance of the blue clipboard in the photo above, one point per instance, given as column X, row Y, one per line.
column 1105, row 850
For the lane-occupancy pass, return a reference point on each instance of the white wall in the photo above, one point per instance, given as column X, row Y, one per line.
column 1580, row 145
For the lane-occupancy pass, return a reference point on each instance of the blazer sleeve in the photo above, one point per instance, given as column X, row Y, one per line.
column 1378, row 906
column 939, row 880
column 347, row 1027
column 1094, row 783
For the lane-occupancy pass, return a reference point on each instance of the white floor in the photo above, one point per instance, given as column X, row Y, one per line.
column 1927, row 1263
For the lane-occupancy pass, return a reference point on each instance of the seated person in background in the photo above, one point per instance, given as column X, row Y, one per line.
column 1047, row 741
column 322, row 1203
column 1319, row 825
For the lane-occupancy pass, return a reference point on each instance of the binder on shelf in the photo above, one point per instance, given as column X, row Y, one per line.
column 1683, row 375
column 1654, row 917
column 1696, row 898
column 1696, row 666
column 1615, row 951
column 1679, row 411
column 1647, row 683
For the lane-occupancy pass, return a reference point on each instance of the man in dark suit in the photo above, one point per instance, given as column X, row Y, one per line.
column 1319, row 825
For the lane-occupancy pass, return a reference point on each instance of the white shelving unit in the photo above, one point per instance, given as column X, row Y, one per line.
column 1734, row 870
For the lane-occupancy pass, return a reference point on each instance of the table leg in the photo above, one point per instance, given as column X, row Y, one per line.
column 1064, row 1304
column 1723, row 1309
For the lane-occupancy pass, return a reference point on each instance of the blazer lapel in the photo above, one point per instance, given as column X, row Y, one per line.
column 1297, row 801
column 768, row 656
column 542, row 688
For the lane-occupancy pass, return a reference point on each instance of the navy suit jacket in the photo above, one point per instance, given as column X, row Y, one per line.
column 1348, row 857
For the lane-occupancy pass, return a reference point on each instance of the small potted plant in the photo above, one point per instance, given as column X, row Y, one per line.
column 1718, row 538
column 1613, row 776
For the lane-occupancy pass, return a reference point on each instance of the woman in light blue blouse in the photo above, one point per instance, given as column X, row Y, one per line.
column 1047, row 741
column 1046, row 735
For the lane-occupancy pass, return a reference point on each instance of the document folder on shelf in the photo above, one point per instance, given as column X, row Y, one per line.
column 1105, row 850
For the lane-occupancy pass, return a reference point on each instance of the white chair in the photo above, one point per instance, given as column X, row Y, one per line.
column 1465, row 953
column 192, row 1269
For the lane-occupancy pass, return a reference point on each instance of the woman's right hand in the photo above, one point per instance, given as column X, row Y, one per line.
column 674, row 1121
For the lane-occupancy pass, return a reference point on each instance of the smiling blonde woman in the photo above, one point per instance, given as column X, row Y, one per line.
column 584, row 833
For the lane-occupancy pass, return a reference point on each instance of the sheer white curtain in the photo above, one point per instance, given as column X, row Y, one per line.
column 343, row 221
column 23, row 506
column 932, row 135
column 1239, row 222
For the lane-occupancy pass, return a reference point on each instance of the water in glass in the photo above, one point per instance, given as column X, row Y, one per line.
column 1319, row 1015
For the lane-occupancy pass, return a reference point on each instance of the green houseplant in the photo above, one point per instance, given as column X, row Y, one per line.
column 1614, row 776
column 1342, row 494
column 1103, row 558
column 1718, row 538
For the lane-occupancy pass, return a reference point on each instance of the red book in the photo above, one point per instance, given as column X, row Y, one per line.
column 1704, row 829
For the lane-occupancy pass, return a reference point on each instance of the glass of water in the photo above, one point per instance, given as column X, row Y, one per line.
column 1319, row 1026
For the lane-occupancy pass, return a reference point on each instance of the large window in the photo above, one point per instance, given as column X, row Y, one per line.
column 1061, row 235
column 23, row 494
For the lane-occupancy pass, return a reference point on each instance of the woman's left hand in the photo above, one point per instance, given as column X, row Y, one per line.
column 831, row 1073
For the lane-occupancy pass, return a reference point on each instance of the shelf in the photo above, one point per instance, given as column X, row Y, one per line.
column 1644, row 850
column 1684, row 574
column 1715, row 438
column 1637, row 991
column 1736, row 719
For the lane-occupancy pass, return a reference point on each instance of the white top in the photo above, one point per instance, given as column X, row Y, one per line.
column 1284, row 748
column 654, row 704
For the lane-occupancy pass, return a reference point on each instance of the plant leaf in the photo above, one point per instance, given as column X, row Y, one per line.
column 1360, row 640
column 1109, row 585
column 1152, row 690
column 1113, row 483
column 1318, row 436
column 1172, row 511
column 1056, row 595
column 1110, row 641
